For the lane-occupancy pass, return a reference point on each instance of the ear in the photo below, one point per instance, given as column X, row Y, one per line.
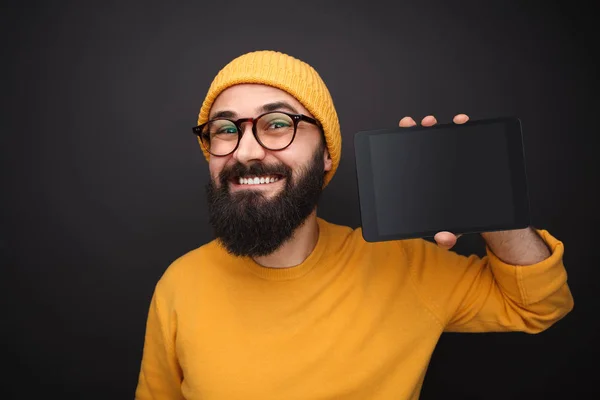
column 327, row 160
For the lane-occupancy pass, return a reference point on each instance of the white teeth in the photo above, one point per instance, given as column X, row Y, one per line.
column 257, row 181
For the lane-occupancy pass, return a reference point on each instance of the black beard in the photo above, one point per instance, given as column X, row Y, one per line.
column 247, row 223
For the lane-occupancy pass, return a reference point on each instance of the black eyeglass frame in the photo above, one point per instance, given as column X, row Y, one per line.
column 296, row 118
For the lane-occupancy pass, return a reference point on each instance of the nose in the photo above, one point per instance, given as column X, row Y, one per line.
column 249, row 149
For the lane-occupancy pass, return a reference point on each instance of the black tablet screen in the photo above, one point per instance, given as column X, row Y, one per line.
column 450, row 178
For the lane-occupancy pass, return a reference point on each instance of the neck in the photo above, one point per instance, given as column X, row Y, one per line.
column 297, row 249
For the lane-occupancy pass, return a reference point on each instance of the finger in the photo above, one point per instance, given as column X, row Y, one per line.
column 460, row 118
column 406, row 122
column 445, row 240
column 429, row 121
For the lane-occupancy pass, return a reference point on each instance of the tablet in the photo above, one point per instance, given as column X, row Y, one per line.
column 463, row 178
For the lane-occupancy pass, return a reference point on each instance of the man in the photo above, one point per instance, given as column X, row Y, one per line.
column 284, row 305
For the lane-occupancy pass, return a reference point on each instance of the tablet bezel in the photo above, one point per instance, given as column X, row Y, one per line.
column 518, row 179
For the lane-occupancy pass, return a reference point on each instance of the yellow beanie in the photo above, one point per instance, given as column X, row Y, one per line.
column 290, row 75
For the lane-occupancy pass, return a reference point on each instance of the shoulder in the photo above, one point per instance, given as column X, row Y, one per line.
column 190, row 267
column 347, row 239
column 411, row 252
column 333, row 229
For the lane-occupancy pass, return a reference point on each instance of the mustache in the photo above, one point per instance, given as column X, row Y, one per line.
column 239, row 170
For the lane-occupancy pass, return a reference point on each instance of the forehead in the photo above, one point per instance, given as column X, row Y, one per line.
column 247, row 99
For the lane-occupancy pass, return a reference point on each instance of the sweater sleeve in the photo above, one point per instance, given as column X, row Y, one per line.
column 160, row 375
column 473, row 294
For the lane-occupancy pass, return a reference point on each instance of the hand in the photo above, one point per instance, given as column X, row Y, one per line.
column 444, row 239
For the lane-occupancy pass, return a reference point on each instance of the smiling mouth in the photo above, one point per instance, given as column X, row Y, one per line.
column 257, row 180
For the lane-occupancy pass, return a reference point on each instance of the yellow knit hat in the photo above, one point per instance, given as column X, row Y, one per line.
column 290, row 75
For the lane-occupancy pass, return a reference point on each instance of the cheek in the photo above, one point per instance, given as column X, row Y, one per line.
column 215, row 166
column 296, row 166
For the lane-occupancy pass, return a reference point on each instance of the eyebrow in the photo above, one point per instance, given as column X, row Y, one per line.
column 223, row 114
column 278, row 105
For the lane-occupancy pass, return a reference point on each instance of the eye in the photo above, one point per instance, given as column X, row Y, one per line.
column 227, row 130
column 276, row 124
column 222, row 127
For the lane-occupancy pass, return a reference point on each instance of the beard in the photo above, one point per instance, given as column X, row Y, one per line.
column 249, row 224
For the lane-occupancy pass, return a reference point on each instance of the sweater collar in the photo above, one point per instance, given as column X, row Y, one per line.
column 298, row 271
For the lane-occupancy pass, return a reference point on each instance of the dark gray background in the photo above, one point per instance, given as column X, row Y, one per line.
column 103, row 181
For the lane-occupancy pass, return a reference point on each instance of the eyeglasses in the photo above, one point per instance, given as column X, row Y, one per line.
column 274, row 130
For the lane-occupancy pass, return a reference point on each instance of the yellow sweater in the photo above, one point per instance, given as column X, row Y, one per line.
column 356, row 320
